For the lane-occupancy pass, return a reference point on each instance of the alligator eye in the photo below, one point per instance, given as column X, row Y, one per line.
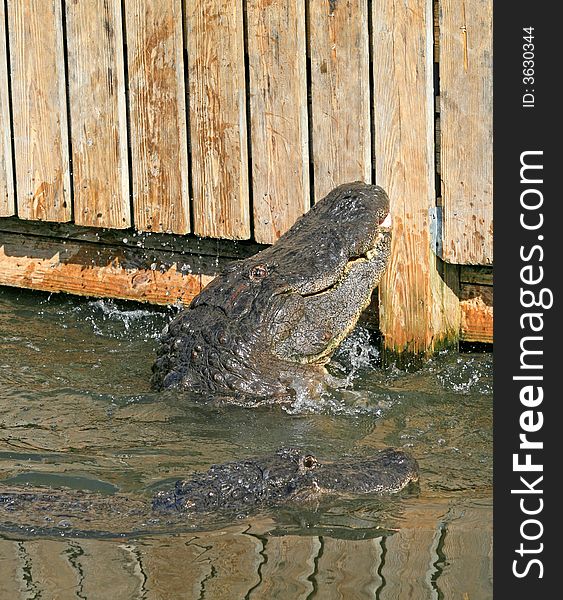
column 309, row 462
column 258, row 272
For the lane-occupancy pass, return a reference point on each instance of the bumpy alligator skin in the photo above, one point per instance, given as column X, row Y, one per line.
column 277, row 317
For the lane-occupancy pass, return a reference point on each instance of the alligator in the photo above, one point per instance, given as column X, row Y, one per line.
column 261, row 327
column 272, row 321
column 287, row 475
column 240, row 487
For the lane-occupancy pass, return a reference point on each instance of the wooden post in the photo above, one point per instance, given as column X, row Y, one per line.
column 419, row 311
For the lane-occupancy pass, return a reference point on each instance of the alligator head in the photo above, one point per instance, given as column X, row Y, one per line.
column 280, row 314
column 287, row 475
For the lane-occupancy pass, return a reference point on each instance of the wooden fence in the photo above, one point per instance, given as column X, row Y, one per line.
column 227, row 118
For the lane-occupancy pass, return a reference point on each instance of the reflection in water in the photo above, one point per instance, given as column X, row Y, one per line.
column 76, row 412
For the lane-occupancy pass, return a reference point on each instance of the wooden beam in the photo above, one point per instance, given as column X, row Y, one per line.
column 157, row 269
column 157, row 105
column 476, row 313
column 476, row 274
column 218, row 134
column 88, row 269
column 218, row 250
column 96, row 82
column 340, row 94
column 39, row 110
column 7, row 201
column 278, row 114
column 419, row 311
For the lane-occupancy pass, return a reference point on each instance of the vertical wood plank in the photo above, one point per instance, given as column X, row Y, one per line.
column 98, row 113
column 39, row 109
column 466, row 120
column 278, row 114
column 340, row 94
column 215, row 46
column 157, row 108
column 7, row 205
column 418, row 311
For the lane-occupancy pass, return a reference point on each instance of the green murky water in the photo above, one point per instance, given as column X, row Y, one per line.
column 76, row 411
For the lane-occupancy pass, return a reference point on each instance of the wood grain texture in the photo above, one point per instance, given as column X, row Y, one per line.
column 96, row 270
column 7, row 201
column 157, row 108
column 218, row 129
column 476, row 313
column 98, row 113
column 466, row 121
column 278, row 115
column 419, row 313
column 340, row 94
column 39, row 110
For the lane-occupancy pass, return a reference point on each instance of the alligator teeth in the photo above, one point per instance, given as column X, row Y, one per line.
column 386, row 223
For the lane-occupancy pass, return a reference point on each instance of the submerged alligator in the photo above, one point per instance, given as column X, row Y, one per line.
column 238, row 487
column 273, row 320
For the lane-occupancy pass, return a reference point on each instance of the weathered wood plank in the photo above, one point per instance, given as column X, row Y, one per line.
column 96, row 270
column 221, row 250
column 278, row 115
column 466, row 120
column 7, row 201
column 476, row 313
column 157, row 108
column 419, row 313
column 218, row 129
column 482, row 275
column 39, row 110
column 98, row 113
column 340, row 94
